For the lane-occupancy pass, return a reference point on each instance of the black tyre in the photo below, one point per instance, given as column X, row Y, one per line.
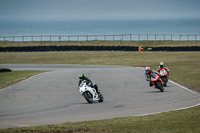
column 164, row 79
column 88, row 97
column 160, row 86
column 101, row 98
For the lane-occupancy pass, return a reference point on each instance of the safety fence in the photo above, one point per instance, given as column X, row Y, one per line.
column 96, row 48
column 122, row 37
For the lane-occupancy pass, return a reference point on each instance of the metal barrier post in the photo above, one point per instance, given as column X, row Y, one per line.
column 121, row 37
column 139, row 37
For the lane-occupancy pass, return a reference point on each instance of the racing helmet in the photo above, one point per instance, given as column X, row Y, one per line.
column 147, row 70
column 81, row 76
column 161, row 64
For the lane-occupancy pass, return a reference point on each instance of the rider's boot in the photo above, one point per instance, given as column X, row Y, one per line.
column 150, row 84
column 99, row 92
column 97, row 89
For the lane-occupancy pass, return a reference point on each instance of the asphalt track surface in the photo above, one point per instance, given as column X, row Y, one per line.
column 53, row 97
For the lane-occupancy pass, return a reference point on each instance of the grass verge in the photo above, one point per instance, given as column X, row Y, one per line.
column 183, row 68
column 183, row 65
column 183, row 121
column 101, row 43
column 9, row 78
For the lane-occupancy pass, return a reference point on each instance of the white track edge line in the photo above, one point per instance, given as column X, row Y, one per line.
column 183, row 87
column 178, row 108
column 169, row 110
column 147, row 113
column 25, row 80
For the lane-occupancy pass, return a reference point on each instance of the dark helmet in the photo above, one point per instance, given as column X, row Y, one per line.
column 161, row 64
column 81, row 76
column 147, row 70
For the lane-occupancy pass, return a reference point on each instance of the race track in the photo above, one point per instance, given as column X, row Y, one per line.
column 53, row 97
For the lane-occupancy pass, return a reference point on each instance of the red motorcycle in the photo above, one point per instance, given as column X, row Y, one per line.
column 157, row 82
column 164, row 77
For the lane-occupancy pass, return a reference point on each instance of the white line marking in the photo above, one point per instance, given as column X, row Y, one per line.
column 147, row 113
column 178, row 108
column 169, row 110
column 183, row 87
column 24, row 80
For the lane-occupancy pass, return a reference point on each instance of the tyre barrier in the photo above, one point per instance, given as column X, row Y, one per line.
column 5, row 70
column 180, row 48
column 67, row 48
column 95, row 48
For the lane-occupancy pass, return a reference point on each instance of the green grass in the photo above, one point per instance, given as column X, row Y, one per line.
column 9, row 78
column 183, row 69
column 183, row 65
column 183, row 121
column 102, row 43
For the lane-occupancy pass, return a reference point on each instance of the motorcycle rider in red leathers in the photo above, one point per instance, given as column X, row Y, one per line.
column 149, row 73
column 162, row 66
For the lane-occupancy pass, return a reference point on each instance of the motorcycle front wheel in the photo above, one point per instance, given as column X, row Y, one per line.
column 159, row 86
column 88, row 97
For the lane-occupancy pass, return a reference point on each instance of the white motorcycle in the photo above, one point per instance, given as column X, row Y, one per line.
column 89, row 93
column 164, row 77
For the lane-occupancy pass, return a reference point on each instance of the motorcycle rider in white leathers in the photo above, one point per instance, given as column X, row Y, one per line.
column 89, row 82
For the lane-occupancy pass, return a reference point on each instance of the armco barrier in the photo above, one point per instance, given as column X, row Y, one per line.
column 95, row 48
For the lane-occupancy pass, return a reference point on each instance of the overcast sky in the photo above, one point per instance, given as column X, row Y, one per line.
column 68, row 9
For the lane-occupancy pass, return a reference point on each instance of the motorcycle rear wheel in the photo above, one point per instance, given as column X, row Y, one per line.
column 164, row 79
column 101, row 98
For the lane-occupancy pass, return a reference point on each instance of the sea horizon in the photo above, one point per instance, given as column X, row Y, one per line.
column 105, row 26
